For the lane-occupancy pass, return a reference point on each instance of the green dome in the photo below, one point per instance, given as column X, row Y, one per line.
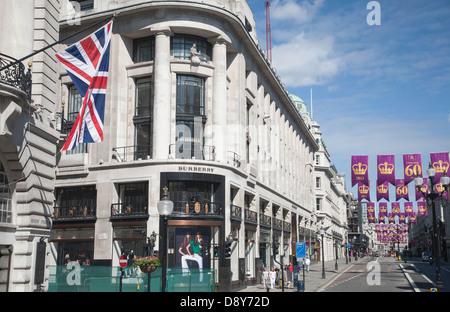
column 299, row 104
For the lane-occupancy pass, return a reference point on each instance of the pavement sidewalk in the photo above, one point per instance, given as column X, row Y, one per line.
column 314, row 281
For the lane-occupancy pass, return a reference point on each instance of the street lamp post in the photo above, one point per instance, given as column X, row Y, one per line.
column 322, row 232
column 165, row 208
column 432, row 196
column 336, row 251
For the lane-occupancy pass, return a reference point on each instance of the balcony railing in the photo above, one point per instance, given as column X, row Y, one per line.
column 12, row 72
column 236, row 212
column 265, row 221
column 198, row 208
column 251, row 216
column 129, row 153
column 286, row 226
column 277, row 224
column 184, row 151
column 127, row 211
column 74, row 213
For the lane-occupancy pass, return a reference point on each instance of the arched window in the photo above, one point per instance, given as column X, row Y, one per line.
column 5, row 197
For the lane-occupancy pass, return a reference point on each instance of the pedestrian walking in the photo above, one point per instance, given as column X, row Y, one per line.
column 307, row 263
column 265, row 278
column 272, row 276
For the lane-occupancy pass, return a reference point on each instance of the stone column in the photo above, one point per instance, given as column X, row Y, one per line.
column 219, row 102
column 162, row 91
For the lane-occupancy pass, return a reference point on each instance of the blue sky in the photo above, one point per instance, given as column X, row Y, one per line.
column 377, row 89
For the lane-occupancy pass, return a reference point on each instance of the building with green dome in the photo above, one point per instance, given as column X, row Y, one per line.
column 299, row 104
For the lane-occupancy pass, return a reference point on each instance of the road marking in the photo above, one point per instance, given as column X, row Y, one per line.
column 409, row 279
column 424, row 276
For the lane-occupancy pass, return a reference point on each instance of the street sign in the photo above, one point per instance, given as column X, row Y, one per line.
column 348, row 246
column 123, row 261
column 301, row 250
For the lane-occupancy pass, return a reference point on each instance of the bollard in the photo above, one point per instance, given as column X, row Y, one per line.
column 301, row 286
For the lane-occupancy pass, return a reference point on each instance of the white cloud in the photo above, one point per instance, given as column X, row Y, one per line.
column 293, row 12
column 304, row 61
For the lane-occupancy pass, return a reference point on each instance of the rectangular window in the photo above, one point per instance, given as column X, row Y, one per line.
column 144, row 49
column 75, row 202
column 318, row 204
column 191, row 119
column 5, row 197
column 134, row 194
column 143, row 118
column 75, row 102
column 317, row 182
column 190, row 95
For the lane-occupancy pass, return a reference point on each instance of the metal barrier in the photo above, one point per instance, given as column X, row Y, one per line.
column 75, row 278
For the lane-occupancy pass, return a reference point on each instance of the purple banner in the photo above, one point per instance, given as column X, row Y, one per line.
column 422, row 209
column 360, row 170
column 371, row 212
column 401, row 190
column 409, row 209
column 382, row 210
column 424, row 189
column 440, row 162
column 386, row 169
column 383, row 191
column 439, row 188
column 391, row 218
column 413, row 218
column 412, row 167
column 363, row 192
column 395, row 208
column 401, row 217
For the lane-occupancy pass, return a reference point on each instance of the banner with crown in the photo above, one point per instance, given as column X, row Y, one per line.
column 382, row 213
column 422, row 209
column 386, row 169
column 423, row 188
column 412, row 167
column 409, row 209
column 439, row 188
column 360, row 170
column 371, row 212
column 363, row 192
column 440, row 162
column 383, row 191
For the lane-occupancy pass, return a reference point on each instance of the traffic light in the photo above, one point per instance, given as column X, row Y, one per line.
column 227, row 251
column 216, row 251
column 275, row 249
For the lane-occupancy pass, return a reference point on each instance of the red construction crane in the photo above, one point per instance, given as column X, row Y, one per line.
column 268, row 33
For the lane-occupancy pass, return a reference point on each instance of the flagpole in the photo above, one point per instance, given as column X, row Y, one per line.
column 111, row 17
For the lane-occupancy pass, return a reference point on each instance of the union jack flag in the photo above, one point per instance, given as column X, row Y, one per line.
column 87, row 63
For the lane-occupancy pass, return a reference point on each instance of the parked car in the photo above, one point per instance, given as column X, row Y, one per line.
column 426, row 256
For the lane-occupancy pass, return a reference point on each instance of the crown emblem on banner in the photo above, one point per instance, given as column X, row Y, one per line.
column 359, row 168
column 363, row 189
column 386, row 168
column 439, row 187
column 440, row 166
column 383, row 189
